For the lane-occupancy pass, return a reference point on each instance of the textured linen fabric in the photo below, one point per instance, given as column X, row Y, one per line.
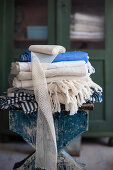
column 47, row 159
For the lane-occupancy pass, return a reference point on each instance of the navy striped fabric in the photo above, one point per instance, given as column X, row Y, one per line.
column 21, row 101
column 25, row 56
column 96, row 96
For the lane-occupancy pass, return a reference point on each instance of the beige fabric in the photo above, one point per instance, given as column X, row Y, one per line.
column 47, row 49
column 48, row 159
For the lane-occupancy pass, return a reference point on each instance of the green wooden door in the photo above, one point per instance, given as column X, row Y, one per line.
column 58, row 33
column 101, row 118
column 8, row 50
column 100, row 123
column 11, row 46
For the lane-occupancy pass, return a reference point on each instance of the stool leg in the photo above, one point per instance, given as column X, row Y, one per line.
column 66, row 162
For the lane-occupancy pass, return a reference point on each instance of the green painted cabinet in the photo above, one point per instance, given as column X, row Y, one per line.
column 101, row 57
column 58, row 22
column 16, row 17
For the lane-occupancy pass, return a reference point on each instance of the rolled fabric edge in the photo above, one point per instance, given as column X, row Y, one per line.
column 47, row 49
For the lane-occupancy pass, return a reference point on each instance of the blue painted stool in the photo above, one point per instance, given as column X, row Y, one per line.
column 67, row 128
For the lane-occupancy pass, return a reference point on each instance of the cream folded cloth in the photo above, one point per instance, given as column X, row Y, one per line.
column 68, row 71
column 47, row 49
column 24, row 76
column 17, row 67
column 28, row 84
column 22, row 84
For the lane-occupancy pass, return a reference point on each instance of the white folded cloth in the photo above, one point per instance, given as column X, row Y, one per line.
column 87, row 35
column 87, row 19
column 85, row 28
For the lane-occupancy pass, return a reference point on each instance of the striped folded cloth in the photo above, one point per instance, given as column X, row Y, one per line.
column 20, row 101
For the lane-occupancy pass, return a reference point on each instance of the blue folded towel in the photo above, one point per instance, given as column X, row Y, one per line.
column 71, row 56
column 67, row 56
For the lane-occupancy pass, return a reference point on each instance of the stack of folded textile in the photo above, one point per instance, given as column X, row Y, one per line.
column 45, row 78
column 85, row 26
column 68, row 81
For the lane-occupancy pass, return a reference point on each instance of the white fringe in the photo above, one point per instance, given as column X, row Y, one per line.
column 70, row 93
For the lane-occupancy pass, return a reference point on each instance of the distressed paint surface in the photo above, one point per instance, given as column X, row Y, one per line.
column 67, row 128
